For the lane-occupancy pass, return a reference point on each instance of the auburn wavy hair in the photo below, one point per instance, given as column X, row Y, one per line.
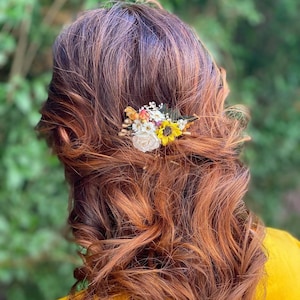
column 167, row 224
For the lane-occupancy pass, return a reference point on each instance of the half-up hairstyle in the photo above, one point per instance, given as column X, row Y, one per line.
column 166, row 224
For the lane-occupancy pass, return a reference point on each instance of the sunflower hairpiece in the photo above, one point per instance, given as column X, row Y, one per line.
column 152, row 126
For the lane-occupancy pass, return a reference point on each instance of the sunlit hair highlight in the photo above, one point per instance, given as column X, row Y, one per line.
column 168, row 224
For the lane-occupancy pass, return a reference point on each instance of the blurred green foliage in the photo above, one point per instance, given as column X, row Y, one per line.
column 256, row 41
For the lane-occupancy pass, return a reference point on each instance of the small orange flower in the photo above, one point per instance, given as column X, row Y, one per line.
column 144, row 115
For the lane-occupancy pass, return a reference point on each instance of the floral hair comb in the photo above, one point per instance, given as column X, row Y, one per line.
column 152, row 126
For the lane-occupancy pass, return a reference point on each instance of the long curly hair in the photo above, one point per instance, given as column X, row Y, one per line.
column 167, row 224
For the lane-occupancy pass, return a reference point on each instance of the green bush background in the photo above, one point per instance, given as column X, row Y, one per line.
column 257, row 42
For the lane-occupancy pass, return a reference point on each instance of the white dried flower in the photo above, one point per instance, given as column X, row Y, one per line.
column 156, row 115
column 148, row 127
column 137, row 126
column 182, row 123
column 145, row 141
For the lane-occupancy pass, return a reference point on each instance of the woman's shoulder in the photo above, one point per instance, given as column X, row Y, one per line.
column 283, row 251
column 274, row 235
column 282, row 279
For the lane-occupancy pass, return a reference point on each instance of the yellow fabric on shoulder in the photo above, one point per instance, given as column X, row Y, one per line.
column 282, row 279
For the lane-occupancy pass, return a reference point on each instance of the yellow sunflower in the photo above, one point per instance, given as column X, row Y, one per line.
column 167, row 132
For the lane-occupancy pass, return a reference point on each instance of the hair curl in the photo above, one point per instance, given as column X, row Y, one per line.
column 170, row 224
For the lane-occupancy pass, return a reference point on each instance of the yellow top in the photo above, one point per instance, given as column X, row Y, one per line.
column 282, row 280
